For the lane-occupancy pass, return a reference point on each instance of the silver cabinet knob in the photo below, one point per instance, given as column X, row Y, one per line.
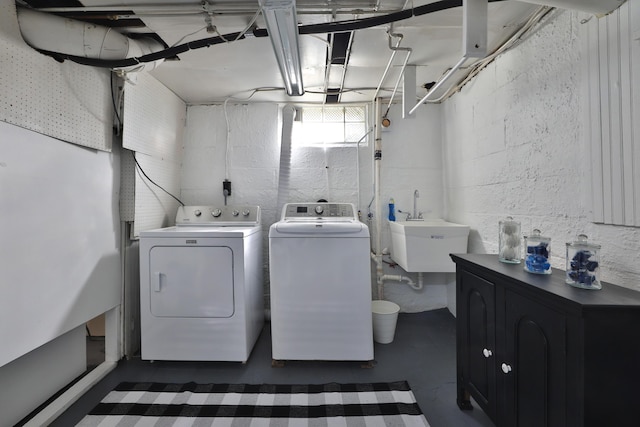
column 235, row 213
column 487, row 353
column 506, row 368
column 246, row 212
column 197, row 212
column 319, row 210
column 216, row 213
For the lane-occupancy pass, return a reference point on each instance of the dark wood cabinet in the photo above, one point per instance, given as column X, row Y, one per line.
column 476, row 340
column 534, row 351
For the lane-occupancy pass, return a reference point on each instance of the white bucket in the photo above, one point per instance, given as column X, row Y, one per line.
column 385, row 316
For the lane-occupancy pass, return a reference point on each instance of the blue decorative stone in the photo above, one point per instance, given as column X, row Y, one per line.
column 537, row 263
column 582, row 263
column 581, row 268
column 539, row 249
column 592, row 265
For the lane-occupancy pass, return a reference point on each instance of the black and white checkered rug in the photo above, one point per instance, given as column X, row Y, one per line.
column 156, row 404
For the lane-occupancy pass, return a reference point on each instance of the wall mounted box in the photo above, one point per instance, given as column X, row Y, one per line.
column 534, row 351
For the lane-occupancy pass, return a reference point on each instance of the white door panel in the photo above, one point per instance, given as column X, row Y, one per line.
column 191, row 281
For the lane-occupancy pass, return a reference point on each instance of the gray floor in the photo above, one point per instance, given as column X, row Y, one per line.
column 423, row 353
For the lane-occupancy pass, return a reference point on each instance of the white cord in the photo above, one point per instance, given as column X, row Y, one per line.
column 187, row 35
column 226, row 151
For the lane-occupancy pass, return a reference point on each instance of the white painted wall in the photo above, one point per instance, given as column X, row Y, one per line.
column 410, row 161
column 29, row 380
column 516, row 143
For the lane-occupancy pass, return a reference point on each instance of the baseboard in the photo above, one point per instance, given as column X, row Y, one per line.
column 69, row 397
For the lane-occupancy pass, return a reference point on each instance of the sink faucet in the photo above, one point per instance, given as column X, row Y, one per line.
column 415, row 203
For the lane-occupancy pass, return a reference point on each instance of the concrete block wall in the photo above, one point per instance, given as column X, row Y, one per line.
column 515, row 142
column 341, row 174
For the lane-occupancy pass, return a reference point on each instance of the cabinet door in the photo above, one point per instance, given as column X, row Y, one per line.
column 476, row 342
column 534, row 369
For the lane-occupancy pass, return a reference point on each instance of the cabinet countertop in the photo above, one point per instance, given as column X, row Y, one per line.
column 554, row 283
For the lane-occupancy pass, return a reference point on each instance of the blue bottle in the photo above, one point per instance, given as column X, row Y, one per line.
column 392, row 210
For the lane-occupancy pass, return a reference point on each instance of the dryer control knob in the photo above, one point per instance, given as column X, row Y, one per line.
column 235, row 213
column 216, row 213
column 197, row 212
column 246, row 212
column 319, row 210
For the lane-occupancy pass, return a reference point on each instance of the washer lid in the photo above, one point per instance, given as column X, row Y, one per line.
column 301, row 228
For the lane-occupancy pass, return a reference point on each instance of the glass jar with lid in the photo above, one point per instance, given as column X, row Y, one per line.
column 509, row 241
column 583, row 262
column 537, row 251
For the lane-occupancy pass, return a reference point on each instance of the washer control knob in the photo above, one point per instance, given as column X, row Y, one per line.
column 246, row 212
column 235, row 213
column 216, row 213
column 197, row 212
column 319, row 209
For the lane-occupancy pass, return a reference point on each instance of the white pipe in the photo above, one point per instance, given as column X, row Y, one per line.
column 441, row 82
column 420, row 283
column 377, row 157
column 391, row 34
column 399, row 278
column 597, row 7
column 54, row 33
column 381, row 278
column 386, row 70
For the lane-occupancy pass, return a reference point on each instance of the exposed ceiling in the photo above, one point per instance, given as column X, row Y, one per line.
column 246, row 68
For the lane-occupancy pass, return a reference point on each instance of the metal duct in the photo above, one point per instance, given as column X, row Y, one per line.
column 52, row 33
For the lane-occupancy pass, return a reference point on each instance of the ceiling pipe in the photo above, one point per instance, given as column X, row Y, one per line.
column 439, row 84
column 596, row 7
column 386, row 70
column 404, row 64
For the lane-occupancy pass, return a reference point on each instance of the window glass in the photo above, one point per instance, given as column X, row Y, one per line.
column 330, row 126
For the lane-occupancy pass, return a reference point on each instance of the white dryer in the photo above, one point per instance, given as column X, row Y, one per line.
column 320, row 271
column 201, row 285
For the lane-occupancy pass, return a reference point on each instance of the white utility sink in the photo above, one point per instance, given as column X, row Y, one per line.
column 424, row 246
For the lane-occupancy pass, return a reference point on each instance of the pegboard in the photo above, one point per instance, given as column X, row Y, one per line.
column 66, row 101
column 127, row 187
column 154, row 118
column 155, row 208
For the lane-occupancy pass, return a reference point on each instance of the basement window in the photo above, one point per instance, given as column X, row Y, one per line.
column 330, row 126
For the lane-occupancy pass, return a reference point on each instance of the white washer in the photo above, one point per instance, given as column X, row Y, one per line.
column 320, row 275
column 201, row 287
